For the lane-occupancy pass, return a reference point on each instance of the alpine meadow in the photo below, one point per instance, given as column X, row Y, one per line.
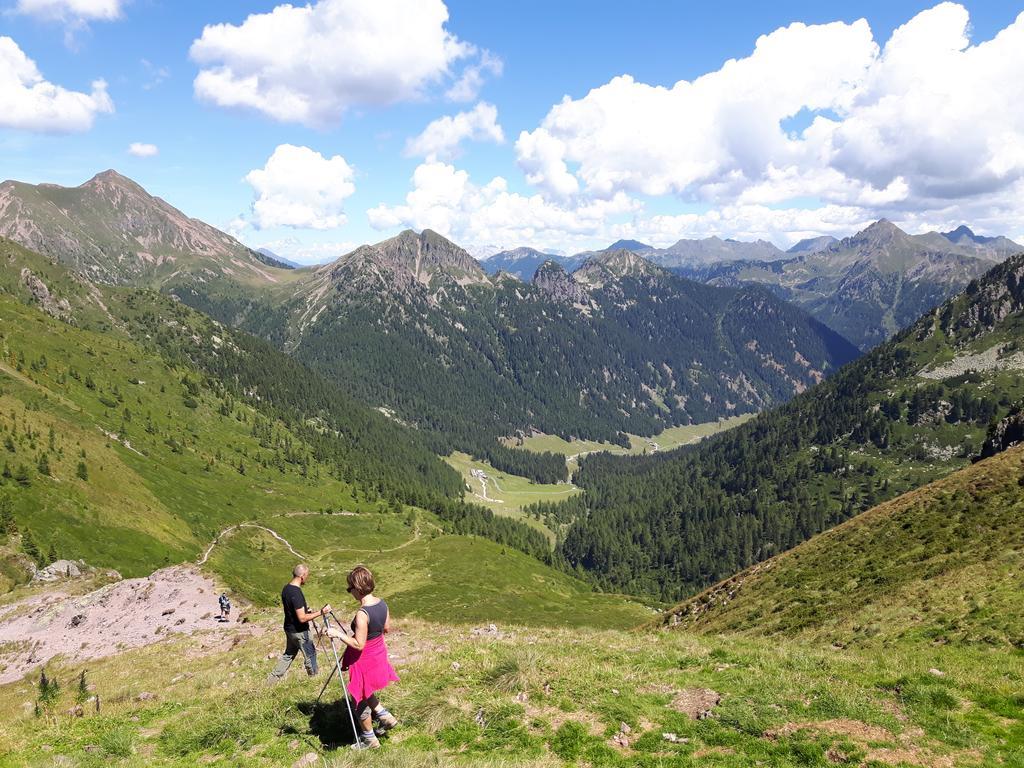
column 376, row 391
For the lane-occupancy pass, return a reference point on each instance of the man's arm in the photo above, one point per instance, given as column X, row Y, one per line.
column 303, row 614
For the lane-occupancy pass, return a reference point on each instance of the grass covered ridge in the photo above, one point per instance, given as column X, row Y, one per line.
column 939, row 563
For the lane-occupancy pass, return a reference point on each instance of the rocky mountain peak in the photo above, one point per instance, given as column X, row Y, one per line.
column 960, row 233
column 813, row 244
column 882, row 232
column 110, row 176
column 630, row 245
column 556, row 284
column 425, row 258
column 112, row 230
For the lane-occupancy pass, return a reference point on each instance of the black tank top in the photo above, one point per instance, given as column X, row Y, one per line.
column 376, row 616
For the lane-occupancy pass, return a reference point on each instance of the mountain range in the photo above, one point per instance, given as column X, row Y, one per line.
column 908, row 412
column 414, row 325
column 866, row 286
column 870, row 285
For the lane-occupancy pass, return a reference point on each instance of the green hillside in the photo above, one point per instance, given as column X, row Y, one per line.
column 530, row 697
column 908, row 412
column 134, row 430
column 940, row 564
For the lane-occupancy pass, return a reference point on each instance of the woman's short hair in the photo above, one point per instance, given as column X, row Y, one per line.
column 360, row 580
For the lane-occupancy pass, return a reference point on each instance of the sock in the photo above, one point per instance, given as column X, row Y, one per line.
column 369, row 735
column 380, row 712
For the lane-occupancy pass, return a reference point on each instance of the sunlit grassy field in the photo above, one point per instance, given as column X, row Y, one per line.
column 423, row 572
column 671, row 438
column 541, row 697
column 507, row 494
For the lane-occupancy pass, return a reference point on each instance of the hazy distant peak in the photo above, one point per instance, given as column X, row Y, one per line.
column 813, row 244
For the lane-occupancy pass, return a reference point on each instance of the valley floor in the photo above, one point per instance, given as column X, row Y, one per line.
column 481, row 695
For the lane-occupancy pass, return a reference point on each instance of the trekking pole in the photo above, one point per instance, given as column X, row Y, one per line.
column 341, row 679
column 320, row 646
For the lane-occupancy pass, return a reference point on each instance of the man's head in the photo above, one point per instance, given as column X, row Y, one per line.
column 300, row 572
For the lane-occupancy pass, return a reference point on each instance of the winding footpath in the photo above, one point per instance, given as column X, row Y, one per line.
column 417, row 534
column 231, row 528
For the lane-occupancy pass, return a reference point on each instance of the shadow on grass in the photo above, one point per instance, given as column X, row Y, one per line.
column 329, row 722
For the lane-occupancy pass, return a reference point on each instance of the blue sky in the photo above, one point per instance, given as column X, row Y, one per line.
column 631, row 160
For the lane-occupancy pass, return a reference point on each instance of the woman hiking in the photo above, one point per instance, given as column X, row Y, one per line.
column 366, row 656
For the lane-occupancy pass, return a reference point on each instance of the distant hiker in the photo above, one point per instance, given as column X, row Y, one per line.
column 366, row 657
column 296, row 625
column 225, row 607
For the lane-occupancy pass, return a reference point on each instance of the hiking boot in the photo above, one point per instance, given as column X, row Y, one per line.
column 386, row 721
column 367, row 741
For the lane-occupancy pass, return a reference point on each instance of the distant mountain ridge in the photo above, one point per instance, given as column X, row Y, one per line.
column 869, row 285
column 523, row 262
column 111, row 230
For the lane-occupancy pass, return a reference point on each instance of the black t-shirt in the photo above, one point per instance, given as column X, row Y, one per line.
column 292, row 599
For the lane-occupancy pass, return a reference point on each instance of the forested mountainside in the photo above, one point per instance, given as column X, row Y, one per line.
column 415, row 327
column 113, row 231
column 910, row 411
column 619, row 346
column 133, row 428
column 939, row 564
column 869, row 286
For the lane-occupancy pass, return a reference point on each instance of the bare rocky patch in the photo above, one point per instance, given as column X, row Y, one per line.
column 125, row 614
column 696, row 703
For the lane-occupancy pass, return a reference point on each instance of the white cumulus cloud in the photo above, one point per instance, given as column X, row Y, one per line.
column 29, row 102
column 627, row 135
column 442, row 137
column 443, row 198
column 301, row 188
column 309, row 64
column 72, row 10
column 468, row 86
column 138, row 149
column 825, row 111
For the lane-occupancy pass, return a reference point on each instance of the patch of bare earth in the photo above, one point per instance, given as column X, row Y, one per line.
column 697, row 703
column 126, row 614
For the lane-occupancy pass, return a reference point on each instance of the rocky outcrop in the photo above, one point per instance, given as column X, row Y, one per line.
column 1004, row 434
column 557, row 285
column 40, row 292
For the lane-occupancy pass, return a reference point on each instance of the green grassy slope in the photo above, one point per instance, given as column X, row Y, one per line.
column 133, row 431
column 427, row 573
column 164, row 467
column 507, row 494
column 535, row 697
column 941, row 563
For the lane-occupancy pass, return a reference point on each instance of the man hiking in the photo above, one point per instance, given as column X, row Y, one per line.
column 225, row 607
column 296, row 625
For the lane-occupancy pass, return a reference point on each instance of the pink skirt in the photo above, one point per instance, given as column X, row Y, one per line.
column 369, row 669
